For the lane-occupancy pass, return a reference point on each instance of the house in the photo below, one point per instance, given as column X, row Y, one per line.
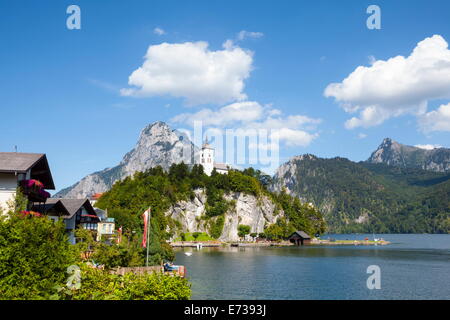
column 299, row 238
column 94, row 198
column 27, row 170
column 77, row 213
column 208, row 162
column 106, row 226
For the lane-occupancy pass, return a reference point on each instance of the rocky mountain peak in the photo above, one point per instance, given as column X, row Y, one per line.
column 158, row 145
column 393, row 153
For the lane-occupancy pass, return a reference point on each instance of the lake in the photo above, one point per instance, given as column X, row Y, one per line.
column 412, row 267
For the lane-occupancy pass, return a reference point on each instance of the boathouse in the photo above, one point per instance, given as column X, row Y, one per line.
column 300, row 238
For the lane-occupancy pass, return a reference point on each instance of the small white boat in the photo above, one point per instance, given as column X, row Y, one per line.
column 188, row 254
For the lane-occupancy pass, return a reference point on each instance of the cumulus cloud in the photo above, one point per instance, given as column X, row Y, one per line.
column 293, row 130
column 192, row 71
column 159, row 31
column 397, row 86
column 436, row 120
column 427, row 146
column 245, row 111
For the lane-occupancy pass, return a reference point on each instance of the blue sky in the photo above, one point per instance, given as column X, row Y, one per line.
column 60, row 88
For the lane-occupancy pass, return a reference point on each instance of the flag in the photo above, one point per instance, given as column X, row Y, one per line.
column 145, row 216
column 119, row 236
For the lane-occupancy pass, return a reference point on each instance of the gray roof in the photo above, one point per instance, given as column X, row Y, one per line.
column 220, row 166
column 51, row 208
column 19, row 162
column 73, row 205
column 302, row 234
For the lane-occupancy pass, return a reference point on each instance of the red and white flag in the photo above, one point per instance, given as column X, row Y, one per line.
column 119, row 236
column 145, row 216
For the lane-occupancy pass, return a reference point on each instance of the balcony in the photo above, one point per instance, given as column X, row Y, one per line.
column 34, row 190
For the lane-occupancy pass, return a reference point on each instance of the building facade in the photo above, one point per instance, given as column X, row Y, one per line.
column 30, row 171
column 207, row 160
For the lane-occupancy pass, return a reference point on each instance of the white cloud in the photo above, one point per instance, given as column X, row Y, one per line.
column 362, row 135
column 191, row 71
column 242, row 35
column 436, row 120
column 427, row 146
column 397, row 86
column 245, row 111
column 293, row 130
column 159, row 31
column 295, row 137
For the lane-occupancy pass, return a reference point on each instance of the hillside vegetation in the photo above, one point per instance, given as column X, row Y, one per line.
column 364, row 197
column 158, row 189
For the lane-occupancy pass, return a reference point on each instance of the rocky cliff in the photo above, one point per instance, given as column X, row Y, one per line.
column 247, row 210
column 392, row 153
column 158, row 145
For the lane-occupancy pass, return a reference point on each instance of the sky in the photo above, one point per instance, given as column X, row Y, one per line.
column 312, row 70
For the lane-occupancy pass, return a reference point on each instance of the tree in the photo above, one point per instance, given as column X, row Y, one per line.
column 243, row 230
column 196, row 235
column 34, row 255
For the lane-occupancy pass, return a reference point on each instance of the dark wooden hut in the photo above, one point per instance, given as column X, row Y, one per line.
column 300, row 238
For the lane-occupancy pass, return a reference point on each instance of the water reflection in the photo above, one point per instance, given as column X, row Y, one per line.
column 316, row 272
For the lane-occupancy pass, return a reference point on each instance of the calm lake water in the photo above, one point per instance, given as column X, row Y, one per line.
column 412, row 267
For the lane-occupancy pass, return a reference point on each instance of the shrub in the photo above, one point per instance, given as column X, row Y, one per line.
column 34, row 255
column 216, row 227
column 99, row 284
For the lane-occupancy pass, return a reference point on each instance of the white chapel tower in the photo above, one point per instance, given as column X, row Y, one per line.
column 207, row 157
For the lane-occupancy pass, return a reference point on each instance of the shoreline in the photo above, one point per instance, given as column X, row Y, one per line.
column 314, row 242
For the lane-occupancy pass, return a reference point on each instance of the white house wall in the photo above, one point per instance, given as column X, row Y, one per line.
column 8, row 186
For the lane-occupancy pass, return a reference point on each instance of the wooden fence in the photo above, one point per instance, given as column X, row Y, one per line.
column 151, row 269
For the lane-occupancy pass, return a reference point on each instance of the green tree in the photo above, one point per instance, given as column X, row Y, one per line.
column 243, row 230
column 34, row 255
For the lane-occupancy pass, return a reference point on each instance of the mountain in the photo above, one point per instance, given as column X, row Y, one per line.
column 393, row 153
column 158, row 145
column 368, row 197
column 186, row 200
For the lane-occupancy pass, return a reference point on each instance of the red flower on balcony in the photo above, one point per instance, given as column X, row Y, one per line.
column 34, row 189
column 31, row 214
column 34, row 183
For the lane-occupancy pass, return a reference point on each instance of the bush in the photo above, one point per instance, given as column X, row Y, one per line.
column 34, row 255
column 99, row 284
column 216, row 227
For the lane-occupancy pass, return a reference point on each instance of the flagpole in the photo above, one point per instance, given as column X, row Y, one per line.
column 148, row 231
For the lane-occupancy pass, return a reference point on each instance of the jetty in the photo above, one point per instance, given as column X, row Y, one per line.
column 197, row 244
column 312, row 242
